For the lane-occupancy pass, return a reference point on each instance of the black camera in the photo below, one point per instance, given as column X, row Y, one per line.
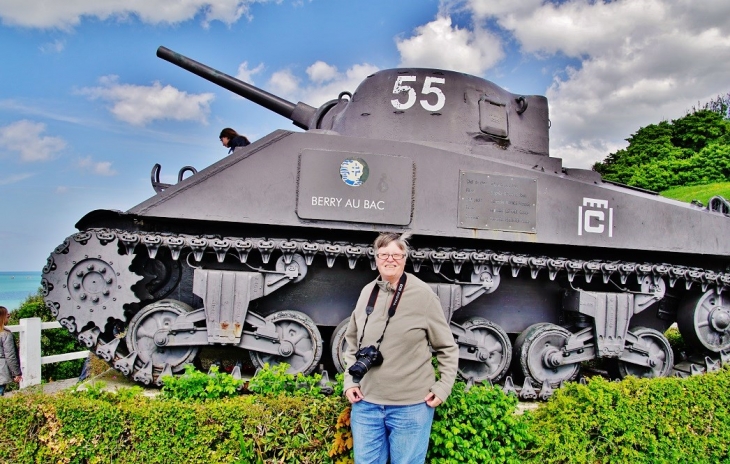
column 365, row 358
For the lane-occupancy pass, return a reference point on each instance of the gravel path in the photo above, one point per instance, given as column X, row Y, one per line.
column 112, row 380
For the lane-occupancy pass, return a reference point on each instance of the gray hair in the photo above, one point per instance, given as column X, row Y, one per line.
column 387, row 238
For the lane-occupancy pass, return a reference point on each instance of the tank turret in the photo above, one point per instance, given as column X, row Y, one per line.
column 424, row 105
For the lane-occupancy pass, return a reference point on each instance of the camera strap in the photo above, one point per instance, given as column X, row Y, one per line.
column 391, row 311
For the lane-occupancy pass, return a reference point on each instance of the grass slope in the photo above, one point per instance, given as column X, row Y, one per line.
column 702, row 193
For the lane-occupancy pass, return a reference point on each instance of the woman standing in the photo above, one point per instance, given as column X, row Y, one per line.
column 9, row 366
column 391, row 382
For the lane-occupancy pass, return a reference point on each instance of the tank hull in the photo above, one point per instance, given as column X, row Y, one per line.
column 538, row 268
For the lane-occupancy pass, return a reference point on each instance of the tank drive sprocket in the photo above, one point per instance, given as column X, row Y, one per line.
column 87, row 282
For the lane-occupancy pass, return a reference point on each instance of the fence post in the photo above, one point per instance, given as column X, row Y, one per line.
column 30, row 351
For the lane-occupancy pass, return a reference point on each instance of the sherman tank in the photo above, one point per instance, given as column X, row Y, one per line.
column 539, row 268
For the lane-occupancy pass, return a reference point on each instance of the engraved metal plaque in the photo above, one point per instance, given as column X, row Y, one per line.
column 489, row 201
column 355, row 187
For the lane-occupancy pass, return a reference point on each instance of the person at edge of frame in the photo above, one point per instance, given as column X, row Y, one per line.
column 232, row 139
column 9, row 365
column 393, row 403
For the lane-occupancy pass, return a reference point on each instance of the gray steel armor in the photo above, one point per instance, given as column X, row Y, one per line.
column 538, row 267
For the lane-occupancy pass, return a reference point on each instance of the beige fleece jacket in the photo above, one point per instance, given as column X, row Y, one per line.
column 406, row 375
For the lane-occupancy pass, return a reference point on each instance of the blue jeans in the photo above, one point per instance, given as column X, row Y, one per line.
column 2, row 390
column 400, row 432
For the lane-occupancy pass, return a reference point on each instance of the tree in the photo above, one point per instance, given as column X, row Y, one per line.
column 54, row 341
column 691, row 150
column 719, row 105
column 696, row 130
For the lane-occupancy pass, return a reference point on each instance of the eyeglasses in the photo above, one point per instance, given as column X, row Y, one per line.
column 395, row 256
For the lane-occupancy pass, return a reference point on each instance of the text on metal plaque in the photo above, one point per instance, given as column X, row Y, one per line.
column 497, row 202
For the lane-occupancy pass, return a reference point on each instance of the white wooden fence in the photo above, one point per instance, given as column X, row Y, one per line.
column 30, row 349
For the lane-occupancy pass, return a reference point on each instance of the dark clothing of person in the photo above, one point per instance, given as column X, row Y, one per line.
column 85, row 369
column 237, row 141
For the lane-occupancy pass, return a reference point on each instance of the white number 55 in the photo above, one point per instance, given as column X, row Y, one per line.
column 399, row 88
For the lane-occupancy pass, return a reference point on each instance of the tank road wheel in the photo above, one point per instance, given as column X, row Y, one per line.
column 495, row 348
column 704, row 322
column 659, row 349
column 536, row 346
column 338, row 345
column 140, row 336
column 301, row 331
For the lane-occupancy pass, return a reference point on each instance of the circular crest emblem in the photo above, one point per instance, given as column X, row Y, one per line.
column 354, row 171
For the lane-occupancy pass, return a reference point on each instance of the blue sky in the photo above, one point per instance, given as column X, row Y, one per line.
column 86, row 108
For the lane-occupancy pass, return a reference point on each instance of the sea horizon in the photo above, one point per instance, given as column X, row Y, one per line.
column 17, row 286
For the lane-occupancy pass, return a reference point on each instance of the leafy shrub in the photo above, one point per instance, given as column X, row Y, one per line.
column 94, row 390
column 275, row 380
column 341, row 450
column 473, row 426
column 89, row 427
column 476, row 426
column 679, row 348
column 194, row 384
column 635, row 420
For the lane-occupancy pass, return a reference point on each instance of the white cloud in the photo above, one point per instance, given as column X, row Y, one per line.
column 56, row 46
column 348, row 81
column 139, row 105
column 640, row 61
column 438, row 44
column 67, row 14
column 14, row 178
column 246, row 75
column 321, row 72
column 487, row 8
column 102, row 168
column 25, row 138
column 61, row 189
column 325, row 82
column 284, row 83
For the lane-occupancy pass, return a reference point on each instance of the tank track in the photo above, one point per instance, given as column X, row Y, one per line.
column 62, row 305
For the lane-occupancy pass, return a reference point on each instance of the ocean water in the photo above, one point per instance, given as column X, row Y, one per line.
column 15, row 287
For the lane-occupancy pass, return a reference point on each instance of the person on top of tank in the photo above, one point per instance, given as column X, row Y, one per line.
column 9, row 365
column 232, row 139
column 390, row 380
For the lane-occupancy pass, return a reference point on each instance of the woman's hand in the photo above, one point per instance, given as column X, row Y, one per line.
column 353, row 394
column 17, row 378
column 432, row 400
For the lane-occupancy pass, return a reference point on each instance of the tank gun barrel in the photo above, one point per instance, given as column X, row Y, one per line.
column 300, row 114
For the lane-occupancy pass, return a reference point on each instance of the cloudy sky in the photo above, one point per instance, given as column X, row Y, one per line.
column 86, row 108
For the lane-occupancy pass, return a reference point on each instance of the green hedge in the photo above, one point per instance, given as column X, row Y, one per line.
column 83, row 428
column 477, row 425
column 635, row 420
